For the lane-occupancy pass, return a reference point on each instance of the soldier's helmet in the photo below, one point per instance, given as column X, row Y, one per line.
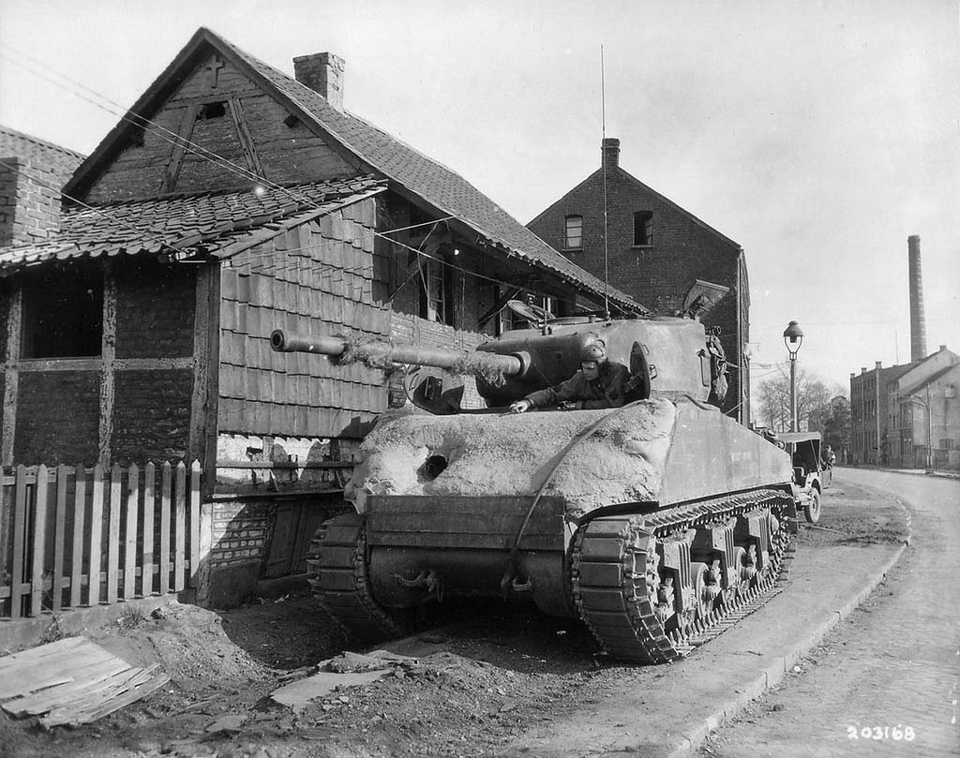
column 594, row 351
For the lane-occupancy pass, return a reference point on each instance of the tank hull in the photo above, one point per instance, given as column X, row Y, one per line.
column 552, row 507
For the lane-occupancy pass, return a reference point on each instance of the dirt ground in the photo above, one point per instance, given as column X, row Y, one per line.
column 484, row 673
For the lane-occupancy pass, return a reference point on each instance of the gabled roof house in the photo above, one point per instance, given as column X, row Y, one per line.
column 231, row 200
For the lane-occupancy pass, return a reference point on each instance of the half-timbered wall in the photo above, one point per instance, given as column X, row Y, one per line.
column 131, row 402
column 215, row 127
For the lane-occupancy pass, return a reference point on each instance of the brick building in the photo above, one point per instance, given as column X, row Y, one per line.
column 869, row 412
column 923, row 422
column 232, row 200
column 31, row 174
column 655, row 251
column 896, row 412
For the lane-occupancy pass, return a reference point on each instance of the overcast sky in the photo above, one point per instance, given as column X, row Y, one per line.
column 817, row 135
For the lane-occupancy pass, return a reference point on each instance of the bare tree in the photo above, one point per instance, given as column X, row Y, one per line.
column 813, row 401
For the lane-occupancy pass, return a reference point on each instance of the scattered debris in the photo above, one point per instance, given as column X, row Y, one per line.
column 345, row 670
column 231, row 723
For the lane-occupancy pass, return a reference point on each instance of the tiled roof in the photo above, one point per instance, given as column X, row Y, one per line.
column 172, row 224
column 432, row 181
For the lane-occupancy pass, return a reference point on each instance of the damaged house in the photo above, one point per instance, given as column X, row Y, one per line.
column 136, row 314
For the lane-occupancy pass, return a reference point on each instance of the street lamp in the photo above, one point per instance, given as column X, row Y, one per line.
column 793, row 338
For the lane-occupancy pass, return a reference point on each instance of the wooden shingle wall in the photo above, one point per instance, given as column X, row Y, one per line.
column 317, row 278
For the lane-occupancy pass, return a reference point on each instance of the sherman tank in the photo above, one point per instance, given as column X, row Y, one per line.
column 658, row 522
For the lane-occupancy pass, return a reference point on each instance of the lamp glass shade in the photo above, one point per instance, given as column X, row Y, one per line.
column 793, row 337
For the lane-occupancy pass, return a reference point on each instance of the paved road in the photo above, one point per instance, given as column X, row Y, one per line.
column 887, row 682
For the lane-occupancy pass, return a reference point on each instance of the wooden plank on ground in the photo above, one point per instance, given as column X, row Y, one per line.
column 76, row 665
column 64, row 660
column 9, row 662
column 39, row 544
column 96, row 536
column 76, row 556
column 52, row 697
column 72, row 681
column 147, row 684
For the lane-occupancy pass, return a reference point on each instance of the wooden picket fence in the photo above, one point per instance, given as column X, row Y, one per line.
column 73, row 536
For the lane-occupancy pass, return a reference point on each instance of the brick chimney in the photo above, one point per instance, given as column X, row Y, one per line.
column 611, row 153
column 323, row 73
column 29, row 202
column 918, row 327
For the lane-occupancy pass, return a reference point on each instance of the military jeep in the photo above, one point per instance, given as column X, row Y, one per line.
column 812, row 474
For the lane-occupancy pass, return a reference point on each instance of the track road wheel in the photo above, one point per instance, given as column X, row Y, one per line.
column 812, row 511
column 742, row 574
column 337, row 569
column 706, row 590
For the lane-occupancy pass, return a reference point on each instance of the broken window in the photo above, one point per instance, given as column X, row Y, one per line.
column 573, row 232
column 62, row 314
column 212, row 110
column 642, row 228
column 436, row 292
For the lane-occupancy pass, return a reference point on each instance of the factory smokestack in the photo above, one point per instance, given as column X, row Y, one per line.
column 918, row 328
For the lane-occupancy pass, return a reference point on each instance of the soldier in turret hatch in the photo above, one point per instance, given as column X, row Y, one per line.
column 600, row 383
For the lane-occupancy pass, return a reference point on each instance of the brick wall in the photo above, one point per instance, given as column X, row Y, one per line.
column 239, row 532
column 29, row 201
column 252, row 540
column 58, row 416
column 156, row 305
column 233, row 565
column 59, row 160
column 151, row 415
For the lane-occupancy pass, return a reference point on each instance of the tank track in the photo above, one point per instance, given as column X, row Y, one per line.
column 626, row 598
column 337, row 572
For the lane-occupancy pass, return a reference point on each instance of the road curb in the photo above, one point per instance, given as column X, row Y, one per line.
column 774, row 673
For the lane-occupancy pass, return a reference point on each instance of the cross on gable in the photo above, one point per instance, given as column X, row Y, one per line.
column 213, row 71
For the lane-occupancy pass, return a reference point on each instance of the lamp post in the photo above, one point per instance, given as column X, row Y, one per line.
column 793, row 338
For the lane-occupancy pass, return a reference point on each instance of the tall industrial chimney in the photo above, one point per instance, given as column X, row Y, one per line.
column 918, row 327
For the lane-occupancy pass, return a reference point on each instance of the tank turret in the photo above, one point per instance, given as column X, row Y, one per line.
column 666, row 357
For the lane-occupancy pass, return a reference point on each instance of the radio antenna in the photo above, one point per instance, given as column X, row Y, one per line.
column 603, row 165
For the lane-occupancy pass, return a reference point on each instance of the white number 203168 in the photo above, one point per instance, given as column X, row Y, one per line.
column 896, row 733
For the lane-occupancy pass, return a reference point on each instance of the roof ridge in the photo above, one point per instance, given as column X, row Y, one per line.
column 41, row 142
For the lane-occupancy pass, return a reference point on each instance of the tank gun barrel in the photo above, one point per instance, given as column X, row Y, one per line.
column 380, row 351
